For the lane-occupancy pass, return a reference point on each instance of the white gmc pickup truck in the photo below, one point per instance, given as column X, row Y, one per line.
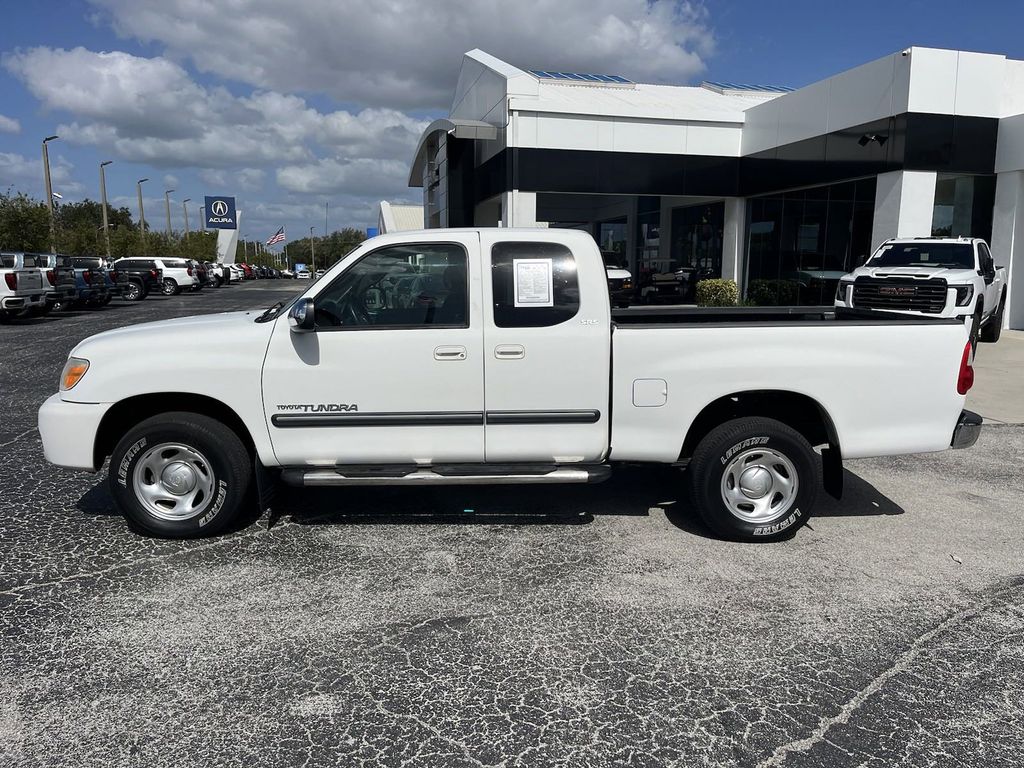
column 940, row 276
column 506, row 365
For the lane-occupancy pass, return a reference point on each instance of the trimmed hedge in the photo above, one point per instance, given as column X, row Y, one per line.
column 717, row 293
column 773, row 293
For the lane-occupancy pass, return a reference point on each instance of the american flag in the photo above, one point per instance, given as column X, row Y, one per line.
column 277, row 238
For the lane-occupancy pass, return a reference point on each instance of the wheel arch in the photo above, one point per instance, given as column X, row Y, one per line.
column 794, row 409
column 127, row 413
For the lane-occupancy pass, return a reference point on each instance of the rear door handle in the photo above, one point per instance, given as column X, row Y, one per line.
column 449, row 353
column 510, row 351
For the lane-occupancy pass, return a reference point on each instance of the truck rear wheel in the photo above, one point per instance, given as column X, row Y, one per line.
column 180, row 475
column 754, row 479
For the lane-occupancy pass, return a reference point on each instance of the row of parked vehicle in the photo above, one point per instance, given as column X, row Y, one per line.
column 38, row 283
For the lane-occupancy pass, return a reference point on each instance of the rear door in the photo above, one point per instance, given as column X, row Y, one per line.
column 546, row 347
column 993, row 287
column 382, row 381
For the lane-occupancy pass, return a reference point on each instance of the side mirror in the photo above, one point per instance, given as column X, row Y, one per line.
column 302, row 316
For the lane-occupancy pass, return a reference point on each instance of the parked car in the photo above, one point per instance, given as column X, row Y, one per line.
column 237, row 273
column 21, row 288
column 116, row 281
column 178, row 275
column 620, row 281
column 143, row 276
column 216, row 274
column 199, row 270
column 526, row 382
column 91, row 280
column 60, row 276
column 938, row 276
column 302, row 274
column 287, row 274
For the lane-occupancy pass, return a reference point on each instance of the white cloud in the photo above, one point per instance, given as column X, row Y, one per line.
column 406, row 53
column 9, row 125
column 331, row 176
column 26, row 173
column 170, row 181
column 150, row 111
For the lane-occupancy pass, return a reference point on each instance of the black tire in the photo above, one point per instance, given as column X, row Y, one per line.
column 133, row 291
column 753, row 442
column 169, row 287
column 993, row 329
column 215, row 282
column 224, row 456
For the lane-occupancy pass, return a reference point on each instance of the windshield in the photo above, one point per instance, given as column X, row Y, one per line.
column 953, row 255
column 612, row 260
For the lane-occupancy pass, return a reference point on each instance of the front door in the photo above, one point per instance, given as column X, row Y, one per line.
column 393, row 372
column 546, row 348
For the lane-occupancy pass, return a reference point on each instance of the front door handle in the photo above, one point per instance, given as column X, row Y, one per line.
column 449, row 353
column 510, row 351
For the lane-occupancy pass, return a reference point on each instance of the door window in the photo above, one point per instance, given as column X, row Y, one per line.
column 404, row 286
column 534, row 284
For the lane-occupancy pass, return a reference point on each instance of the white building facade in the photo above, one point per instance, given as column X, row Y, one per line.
column 782, row 190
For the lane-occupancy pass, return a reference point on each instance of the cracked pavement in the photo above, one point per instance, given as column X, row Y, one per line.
column 577, row 626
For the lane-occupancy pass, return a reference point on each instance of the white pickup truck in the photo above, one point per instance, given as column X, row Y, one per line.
column 939, row 276
column 21, row 287
column 510, row 367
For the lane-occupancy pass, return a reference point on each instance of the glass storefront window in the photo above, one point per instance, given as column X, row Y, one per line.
column 963, row 206
column 697, row 233
column 800, row 243
column 611, row 239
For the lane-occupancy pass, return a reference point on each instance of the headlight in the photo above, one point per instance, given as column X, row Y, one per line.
column 964, row 294
column 74, row 370
column 841, row 290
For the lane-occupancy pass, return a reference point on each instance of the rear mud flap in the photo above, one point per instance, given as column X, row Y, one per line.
column 267, row 486
column 832, row 472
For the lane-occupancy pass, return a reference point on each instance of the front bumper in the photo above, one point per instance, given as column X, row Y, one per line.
column 967, row 430
column 69, row 432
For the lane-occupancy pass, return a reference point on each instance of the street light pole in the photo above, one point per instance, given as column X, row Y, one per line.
column 167, row 209
column 312, row 252
column 142, row 215
column 49, row 193
column 103, row 195
column 184, row 207
column 202, row 216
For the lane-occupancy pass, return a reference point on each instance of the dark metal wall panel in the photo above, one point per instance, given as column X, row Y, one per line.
column 946, row 143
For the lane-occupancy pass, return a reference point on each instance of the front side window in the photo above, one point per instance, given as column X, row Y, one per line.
column 534, row 284
column 404, row 286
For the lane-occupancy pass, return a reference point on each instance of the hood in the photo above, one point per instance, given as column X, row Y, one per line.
column 169, row 354
column 949, row 275
column 617, row 273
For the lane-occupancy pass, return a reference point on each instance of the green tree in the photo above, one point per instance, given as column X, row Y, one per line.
column 24, row 223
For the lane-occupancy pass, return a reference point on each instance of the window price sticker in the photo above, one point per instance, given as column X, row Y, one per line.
column 533, row 282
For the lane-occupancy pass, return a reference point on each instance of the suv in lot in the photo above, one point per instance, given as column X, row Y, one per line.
column 143, row 277
column 21, row 287
column 938, row 276
column 115, row 281
column 178, row 275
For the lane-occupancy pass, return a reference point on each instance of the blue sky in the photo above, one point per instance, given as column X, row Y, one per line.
column 291, row 105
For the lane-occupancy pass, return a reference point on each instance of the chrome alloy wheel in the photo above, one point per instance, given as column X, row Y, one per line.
column 759, row 484
column 173, row 482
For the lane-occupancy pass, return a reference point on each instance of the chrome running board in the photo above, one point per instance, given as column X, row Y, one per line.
column 448, row 475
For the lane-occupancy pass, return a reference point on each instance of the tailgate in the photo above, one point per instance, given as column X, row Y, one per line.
column 28, row 281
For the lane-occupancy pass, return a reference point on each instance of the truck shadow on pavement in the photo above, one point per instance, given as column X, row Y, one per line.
column 632, row 491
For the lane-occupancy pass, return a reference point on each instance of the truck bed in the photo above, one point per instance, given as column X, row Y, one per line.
column 655, row 316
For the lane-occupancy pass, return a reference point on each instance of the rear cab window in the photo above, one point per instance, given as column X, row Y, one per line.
column 534, row 284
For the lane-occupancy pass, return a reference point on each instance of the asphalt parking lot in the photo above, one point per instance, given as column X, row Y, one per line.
column 582, row 626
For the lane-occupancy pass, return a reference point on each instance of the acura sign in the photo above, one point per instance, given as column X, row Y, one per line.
column 220, row 213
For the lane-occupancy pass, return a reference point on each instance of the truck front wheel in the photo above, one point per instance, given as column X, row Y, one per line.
column 180, row 475
column 754, row 479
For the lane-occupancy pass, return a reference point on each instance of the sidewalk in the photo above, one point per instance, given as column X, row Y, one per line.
column 998, row 392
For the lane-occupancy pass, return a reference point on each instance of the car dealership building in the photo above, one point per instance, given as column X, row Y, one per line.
column 783, row 190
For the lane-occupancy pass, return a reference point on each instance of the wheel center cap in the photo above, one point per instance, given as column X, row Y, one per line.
column 179, row 478
column 755, row 482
